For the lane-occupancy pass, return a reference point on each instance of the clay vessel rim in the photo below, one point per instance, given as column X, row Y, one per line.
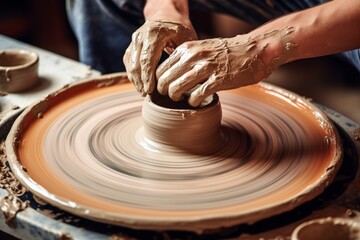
column 33, row 58
column 214, row 102
column 351, row 224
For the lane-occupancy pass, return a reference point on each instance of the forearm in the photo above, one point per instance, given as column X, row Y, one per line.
column 168, row 10
column 329, row 28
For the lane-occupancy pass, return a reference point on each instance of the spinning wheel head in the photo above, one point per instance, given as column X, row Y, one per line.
column 97, row 153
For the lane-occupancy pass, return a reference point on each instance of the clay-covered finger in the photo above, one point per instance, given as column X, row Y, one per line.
column 175, row 69
column 149, row 59
column 134, row 68
column 203, row 91
column 187, row 81
column 167, row 64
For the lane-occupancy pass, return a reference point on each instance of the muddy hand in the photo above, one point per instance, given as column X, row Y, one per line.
column 219, row 64
column 148, row 42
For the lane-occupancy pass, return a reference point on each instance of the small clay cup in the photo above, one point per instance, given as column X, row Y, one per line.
column 327, row 229
column 18, row 70
column 178, row 125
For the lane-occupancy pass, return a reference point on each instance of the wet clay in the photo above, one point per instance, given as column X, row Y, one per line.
column 222, row 64
column 356, row 134
column 65, row 236
column 90, row 156
column 7, row 179
column 148, row 43
column 10, row 206
column 181, row 127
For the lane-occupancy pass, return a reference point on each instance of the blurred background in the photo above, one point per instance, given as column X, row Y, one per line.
column 41, row 23
column 327, row 80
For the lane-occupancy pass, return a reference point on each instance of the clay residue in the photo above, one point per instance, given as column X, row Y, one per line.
column 356, row 134
column 107, row 83
column 40, row 115
column 148, row 43
column 222, row 64
column 6, row 110
column 10, row 206
column 260, row 162
column 65, row 236
column 8, row 180
column 87, row 74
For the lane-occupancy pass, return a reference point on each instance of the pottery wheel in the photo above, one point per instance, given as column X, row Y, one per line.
column 83, row 149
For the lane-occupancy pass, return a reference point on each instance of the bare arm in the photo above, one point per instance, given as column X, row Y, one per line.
column 168, row 10
column 225, row 63
column 329, row 28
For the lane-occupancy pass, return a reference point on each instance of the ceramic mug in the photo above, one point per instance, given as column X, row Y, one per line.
column 18, row 70
column 327, row 229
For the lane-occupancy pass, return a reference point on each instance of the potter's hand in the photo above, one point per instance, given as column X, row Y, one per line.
column 219, row 64
column 148, row 42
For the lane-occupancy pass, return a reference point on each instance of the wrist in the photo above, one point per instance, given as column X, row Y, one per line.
column 168, row 11
column 276, row 47
column 271, row 49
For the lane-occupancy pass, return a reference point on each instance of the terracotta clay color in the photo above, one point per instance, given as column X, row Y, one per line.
column 88, row 154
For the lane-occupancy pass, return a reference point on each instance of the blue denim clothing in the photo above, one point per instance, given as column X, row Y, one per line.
column 104, row 27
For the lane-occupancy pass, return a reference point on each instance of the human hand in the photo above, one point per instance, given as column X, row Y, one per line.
column 148, row 42
column 220, row 64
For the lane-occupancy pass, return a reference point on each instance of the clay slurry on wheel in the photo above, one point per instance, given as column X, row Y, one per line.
column 90, row 156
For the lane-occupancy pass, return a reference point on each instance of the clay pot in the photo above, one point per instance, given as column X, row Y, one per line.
column 327, row 229
column 18, row 70
column 179, row 125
